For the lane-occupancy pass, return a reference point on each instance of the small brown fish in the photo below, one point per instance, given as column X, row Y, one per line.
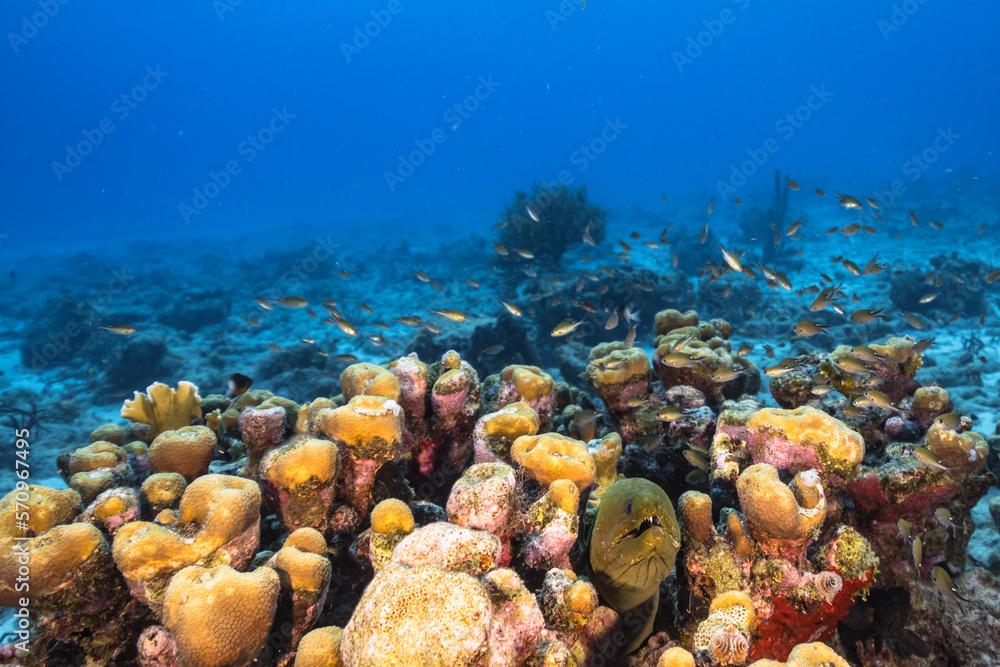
column 474, row 284
column 696, row 459
column 792, row 185
column 918, row 554
column 587, row 238
column 913, row 218
column 820, row 193
column 950, row 421
column 253, row 322
column 237, row 384
column 450, row 314
column 912, row 320
column 344, row 358
column 511, row 308
column 344, row 274
column 670, row 413
column 421, row 276
column 723, row 374
column 493, row 349
column 704, row 233
column 923, row 345
column 865, row 316
column 904, row 529
column 566, row 327
column 291, row 302
column 847, row 201
column 738, row 201
column 745, row 350
column 500, row 249
column 944, row 584
column 262, row 302
column 810, row 328
column 346, row 327
column 120, row 329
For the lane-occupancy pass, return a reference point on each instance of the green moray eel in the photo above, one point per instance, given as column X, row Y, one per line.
column 632, row 548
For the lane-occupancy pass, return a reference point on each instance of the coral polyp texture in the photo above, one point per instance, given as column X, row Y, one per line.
column 423, row 516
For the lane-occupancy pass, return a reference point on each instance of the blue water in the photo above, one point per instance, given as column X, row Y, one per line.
column 685, row 91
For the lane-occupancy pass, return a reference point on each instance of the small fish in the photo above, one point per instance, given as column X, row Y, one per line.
column 500, row 249
column 769, row 351
column 792, row 185
column 566, row 327
column 679, row 360
column 612, row 321
column 450, row 314
column 308, row 341
column 937, row 225
column 433, row 328
column 927, row 298
column 944, row 583
column 630, row 336
column 930, row 459
column 291, row 302
column 365, row 307
column 710, row 205
column 882, row 401
column 532, row 213
column 414, row 321
column 745, row 350
column 120, row 329
column 918, row 554
column 847, row 201
column 436, row 285
column 527, row 254
column 851, row 365
column 346, row 327
column 474, row 284
column 865, row 316
column 821, row 389
column 587, row 238
column 923, row 345
column 944, row 518
column 253, row 322
column 636, row 402
column 949, row 421
column 626, row 247
column 732, row 260
column 274, row 347
column 912, row 320
column 670, row 413
column 345, row 358
column 872, row 203
column 904, row 529
column 852, row 229
column 810, row 328
column 794, row 227
column 696, row 459
column 421, row 276
column 852, row 411
column 511, row 308
column 738, row 201
column 704, row 234
column 237, row 384
column 695, row 476
column 651, row 443
column 724, row 374
column 913, row 218
column 262, row 302
column 992, row 276
column 777, row 371
column 820, row 193
column 865, row 353
column 344, row 274
column 493, row 349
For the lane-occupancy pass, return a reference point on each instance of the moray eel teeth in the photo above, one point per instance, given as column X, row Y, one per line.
column 632, row 549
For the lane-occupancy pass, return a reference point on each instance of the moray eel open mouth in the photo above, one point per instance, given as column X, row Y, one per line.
column 645, row 524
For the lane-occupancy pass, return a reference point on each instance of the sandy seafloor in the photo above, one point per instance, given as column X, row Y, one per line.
column 189, row 297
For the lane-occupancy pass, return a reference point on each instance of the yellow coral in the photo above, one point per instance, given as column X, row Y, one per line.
column 299, row 567
column 369, row 380
column 696, row 516
column 962, row 451
column 94, row 456
column 667, row 320
column 187, row 450
column 371, row 425
column 300, row 461
column 836, row 447
column 531, row 382
column 815, row 654
column 112, row 433
column 564, row 495
column 320, row 648
column 215, row 510
column 92, row 484
column 163, row 491
column 163, row 408
column 675, row 657
column 511, row 421
column 782, row 511
column 220, row 617
column 306, row 420
column 392, row 516
column 552, row 456
column 615, row 366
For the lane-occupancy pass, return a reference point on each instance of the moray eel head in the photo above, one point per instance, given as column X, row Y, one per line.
column 632, row 549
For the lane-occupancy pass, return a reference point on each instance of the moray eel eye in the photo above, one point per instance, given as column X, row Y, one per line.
column 628, row 507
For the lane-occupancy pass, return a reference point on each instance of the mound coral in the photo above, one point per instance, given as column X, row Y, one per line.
column 219, row 617
column 551, row 456
column 298, row 480
column 495, row 432
column 187, row 451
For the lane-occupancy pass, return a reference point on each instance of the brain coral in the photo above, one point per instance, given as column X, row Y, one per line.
column 220, row 617
column 419, row 616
